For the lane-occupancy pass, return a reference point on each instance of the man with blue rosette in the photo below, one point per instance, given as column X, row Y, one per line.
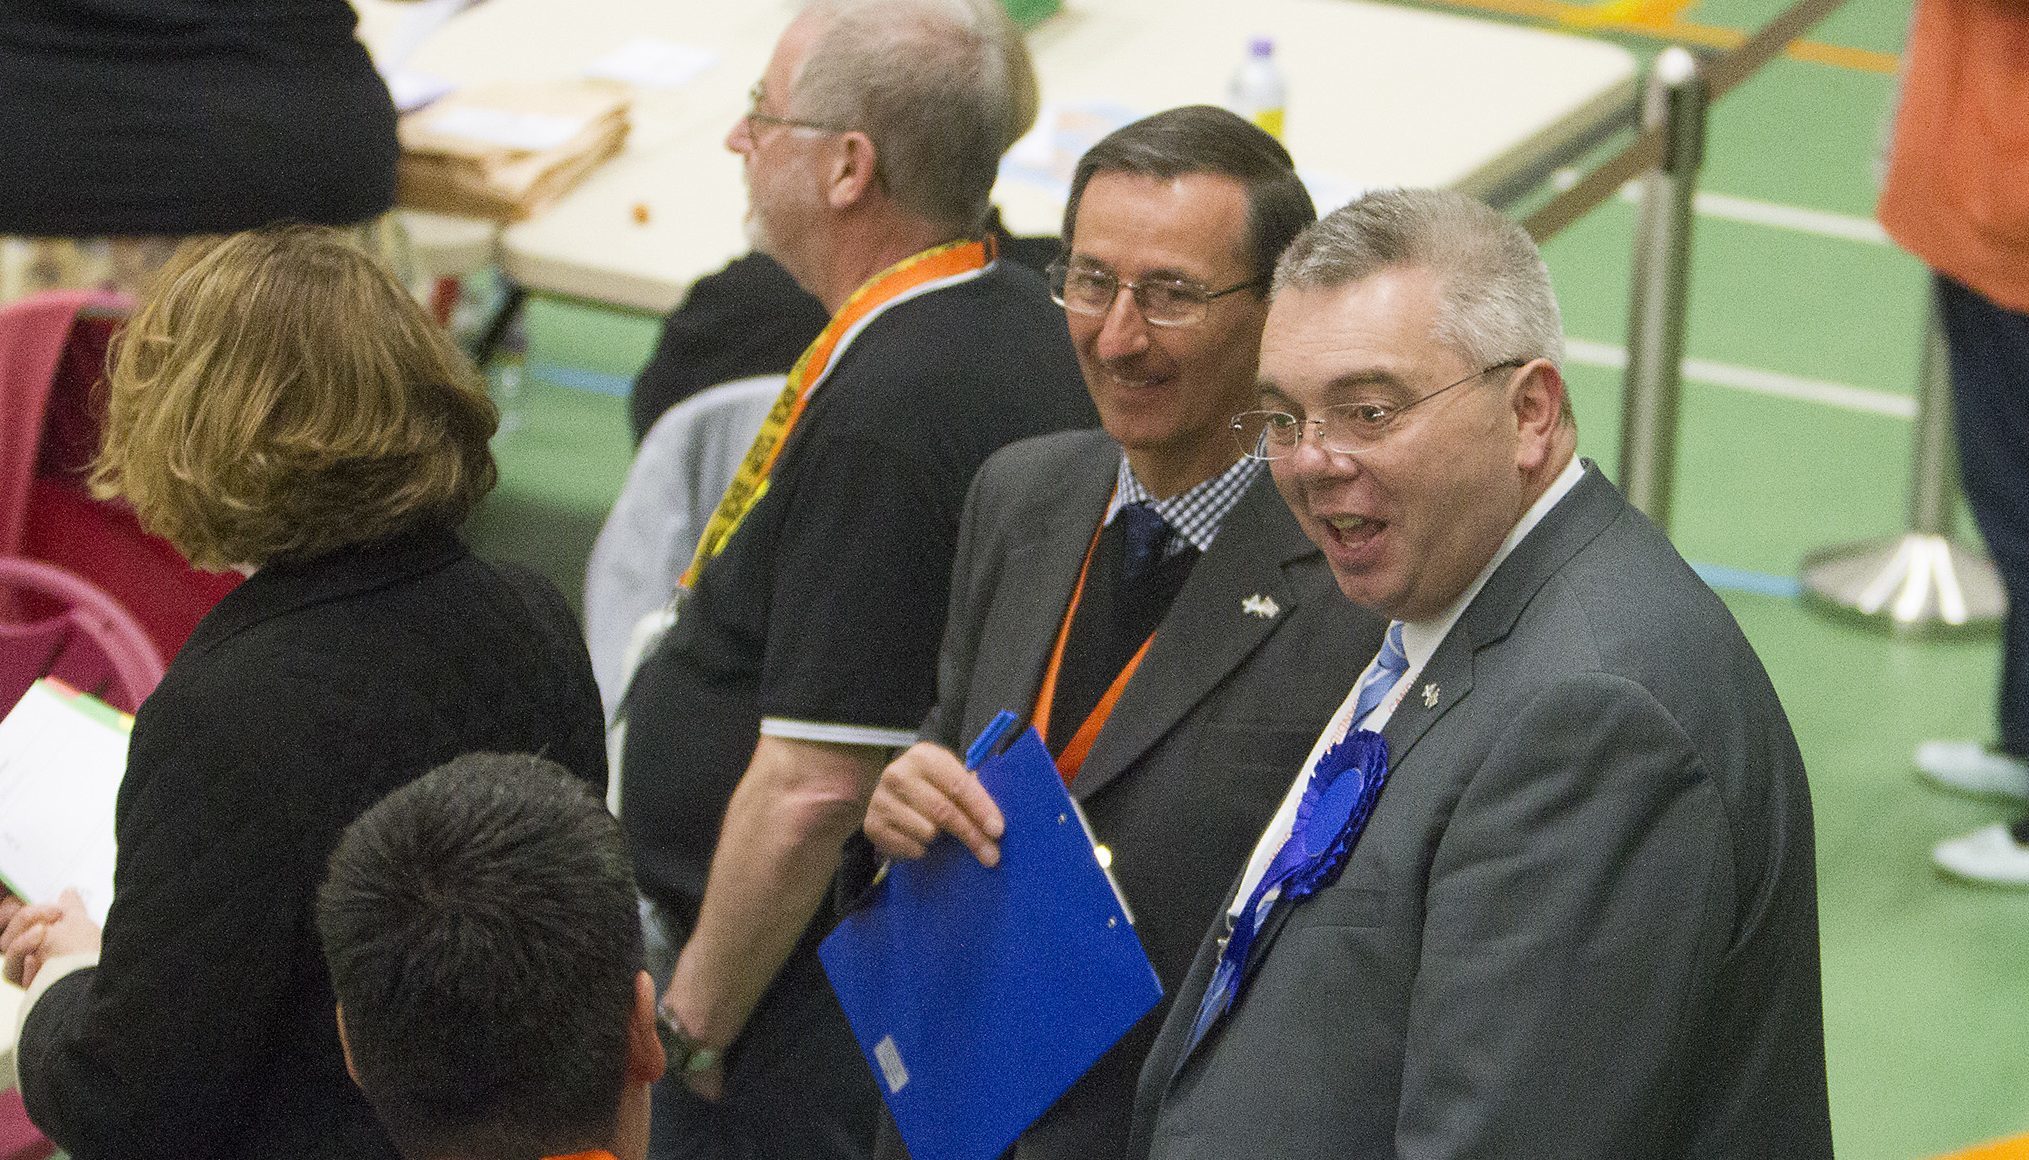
column 1546, row 885
column 1140, row 594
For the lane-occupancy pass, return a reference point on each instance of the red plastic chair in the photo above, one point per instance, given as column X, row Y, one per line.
column 56, row 624
column 52, row 353
column 18, row 1138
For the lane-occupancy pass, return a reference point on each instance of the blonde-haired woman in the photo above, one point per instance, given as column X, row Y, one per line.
column 280, row 405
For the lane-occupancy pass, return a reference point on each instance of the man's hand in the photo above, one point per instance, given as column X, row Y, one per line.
column 925, row 792
column 778, row 851
column 34, row 935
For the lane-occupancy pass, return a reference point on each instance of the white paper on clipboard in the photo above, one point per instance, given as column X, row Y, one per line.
column 62, row 755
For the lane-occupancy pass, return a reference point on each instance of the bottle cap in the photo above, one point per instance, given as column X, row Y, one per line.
column 1261, row 46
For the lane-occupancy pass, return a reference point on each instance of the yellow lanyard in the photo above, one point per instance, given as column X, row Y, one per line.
column 750, row 483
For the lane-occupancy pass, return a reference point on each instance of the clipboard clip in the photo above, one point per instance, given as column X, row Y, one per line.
column 989, row 739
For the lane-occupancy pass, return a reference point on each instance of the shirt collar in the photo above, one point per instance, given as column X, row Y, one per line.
column 1420, row 638
column 1194, row 515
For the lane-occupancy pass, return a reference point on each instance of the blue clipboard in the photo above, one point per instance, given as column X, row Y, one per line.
column 979, row 995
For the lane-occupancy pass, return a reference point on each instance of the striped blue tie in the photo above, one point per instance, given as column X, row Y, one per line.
column 1381, row 678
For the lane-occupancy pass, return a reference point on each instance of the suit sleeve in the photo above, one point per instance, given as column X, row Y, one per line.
column 208, row 938
column 1576, row 911
column 960, row 648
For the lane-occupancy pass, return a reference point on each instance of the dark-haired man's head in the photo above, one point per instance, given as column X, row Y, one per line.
column 481, row 929
column 1171, row 233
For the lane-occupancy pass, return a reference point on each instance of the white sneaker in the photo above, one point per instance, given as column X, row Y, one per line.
column 1990, row 855
column 1969, row 767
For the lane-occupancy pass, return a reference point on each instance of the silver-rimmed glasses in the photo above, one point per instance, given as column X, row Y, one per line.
column 754, row 116
column 1162, row 301
column 1348, row 428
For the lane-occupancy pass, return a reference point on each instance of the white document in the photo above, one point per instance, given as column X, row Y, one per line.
column 411, row 90
column 507, row 128
column 62, row 754
column 652, row 63
column 1047, row 155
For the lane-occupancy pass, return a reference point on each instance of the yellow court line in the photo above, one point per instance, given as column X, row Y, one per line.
column 2013, row 1148
column 1656, row 20
column 1629, row 14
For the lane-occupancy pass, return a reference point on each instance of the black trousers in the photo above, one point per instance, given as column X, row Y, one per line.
column 1990, row 390
column 797, row 1087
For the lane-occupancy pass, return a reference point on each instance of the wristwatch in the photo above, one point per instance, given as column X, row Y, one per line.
column 685, row 1054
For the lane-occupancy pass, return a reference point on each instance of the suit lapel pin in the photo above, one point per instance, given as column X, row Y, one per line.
column 1430, row 695
column 1261, row 606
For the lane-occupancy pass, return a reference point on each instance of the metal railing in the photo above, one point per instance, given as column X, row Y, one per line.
column 1667, row 153
column 1920, row 580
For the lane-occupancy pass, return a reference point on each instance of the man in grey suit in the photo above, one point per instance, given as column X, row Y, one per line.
column 1178, row 666
column 1581, row 919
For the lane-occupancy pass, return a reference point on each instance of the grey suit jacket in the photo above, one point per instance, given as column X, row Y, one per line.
column 1206, row 738
column 1582, row 921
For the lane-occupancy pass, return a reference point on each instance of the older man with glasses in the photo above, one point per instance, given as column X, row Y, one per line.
column 804, row 649
column 1545, row 885
column 1140, row 594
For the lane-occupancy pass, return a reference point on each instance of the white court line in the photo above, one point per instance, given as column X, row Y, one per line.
column 1844, row 396
column 1789, row 217
column 1747, row 210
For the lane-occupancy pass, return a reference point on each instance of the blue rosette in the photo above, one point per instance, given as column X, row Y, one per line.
column 1335, row 809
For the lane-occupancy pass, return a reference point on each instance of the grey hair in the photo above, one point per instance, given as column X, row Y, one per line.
column 1495, row 300
column 941, row 87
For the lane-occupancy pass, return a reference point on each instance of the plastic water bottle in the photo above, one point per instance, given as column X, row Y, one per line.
column 1258, row 92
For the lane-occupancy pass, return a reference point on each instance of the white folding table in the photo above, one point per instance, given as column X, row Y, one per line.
column 1379, row 95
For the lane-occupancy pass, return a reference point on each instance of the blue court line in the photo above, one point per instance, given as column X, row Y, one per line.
column 1722, row 578
column 580, row 379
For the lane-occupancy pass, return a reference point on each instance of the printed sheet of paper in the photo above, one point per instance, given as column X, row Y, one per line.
column 61, row 758
column 653, row 63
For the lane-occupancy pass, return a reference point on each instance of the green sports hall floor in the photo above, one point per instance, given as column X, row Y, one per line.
column 1796, row 435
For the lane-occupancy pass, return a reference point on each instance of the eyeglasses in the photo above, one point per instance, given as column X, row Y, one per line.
column 1348, row 428
column 1162, row 301
column 755, row 117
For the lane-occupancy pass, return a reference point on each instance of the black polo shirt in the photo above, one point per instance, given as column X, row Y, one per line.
column 824, row 612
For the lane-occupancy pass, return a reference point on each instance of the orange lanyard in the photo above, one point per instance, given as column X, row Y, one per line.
column 750, row 482
column 1073, row 757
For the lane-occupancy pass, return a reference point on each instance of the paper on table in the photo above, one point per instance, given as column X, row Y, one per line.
column 62, row 754
column 1047, row 155
column 652, row 63
column 411, row 90
column 508, row 128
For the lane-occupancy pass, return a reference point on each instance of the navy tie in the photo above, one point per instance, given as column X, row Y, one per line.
column 1147, row 536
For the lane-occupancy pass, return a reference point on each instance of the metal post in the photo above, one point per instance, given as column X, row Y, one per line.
column 1920, row 580
column 1933, row 457
column 1662, row 274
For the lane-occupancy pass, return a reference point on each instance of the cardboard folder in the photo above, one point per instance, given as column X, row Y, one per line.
column 508, row 151
column 979, row 994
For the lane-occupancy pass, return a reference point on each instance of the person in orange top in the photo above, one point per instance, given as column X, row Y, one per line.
column 485, row 947
column 1957, row 196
